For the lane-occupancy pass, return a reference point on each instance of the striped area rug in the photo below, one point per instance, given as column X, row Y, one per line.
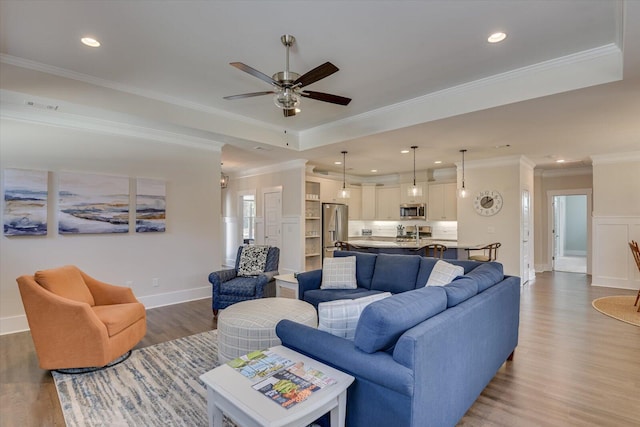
column 156, row 386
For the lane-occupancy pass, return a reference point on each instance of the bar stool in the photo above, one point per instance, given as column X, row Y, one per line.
column 435, row 250
column 489, row 252
column 636, row 255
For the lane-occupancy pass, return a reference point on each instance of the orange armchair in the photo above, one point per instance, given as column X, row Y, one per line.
column 77, row 321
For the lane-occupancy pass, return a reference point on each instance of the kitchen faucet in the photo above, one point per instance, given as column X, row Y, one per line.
column 417, row 235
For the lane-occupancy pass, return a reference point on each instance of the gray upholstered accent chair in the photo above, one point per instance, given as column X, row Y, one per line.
column 229, row 288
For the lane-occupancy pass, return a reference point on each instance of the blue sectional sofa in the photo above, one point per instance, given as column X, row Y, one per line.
column 422, row 356
column 375, row 273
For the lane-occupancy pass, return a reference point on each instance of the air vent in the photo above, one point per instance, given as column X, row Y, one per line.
column 41, row 106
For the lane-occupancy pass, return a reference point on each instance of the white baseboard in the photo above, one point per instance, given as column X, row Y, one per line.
column 177, row 297
column 614, row 284
column 14, row 324
column 540, row 268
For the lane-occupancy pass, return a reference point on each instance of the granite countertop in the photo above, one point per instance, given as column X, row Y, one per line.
column 390, row 242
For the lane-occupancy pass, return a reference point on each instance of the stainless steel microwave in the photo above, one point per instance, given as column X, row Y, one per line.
column 413, row 211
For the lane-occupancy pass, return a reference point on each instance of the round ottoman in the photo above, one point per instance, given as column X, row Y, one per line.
column 251, row 325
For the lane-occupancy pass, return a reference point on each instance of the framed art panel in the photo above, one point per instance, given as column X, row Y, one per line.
column 25, row 202
column 150, row 205
column 93, row 204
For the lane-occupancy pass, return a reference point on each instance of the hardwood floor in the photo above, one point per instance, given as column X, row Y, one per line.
column 573, row 365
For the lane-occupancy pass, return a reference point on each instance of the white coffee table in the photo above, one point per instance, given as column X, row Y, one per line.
column 229, row 392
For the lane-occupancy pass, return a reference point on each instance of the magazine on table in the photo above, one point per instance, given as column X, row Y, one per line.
column 283, row 381
column 259, row 364
column 293, row 385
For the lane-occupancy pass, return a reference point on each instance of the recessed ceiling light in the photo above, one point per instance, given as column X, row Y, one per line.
column 497, row 37
column 337, row 163
column 437, row 162
column 374, row 170
column 404, row 151
column 560, row 161
column 89, row 41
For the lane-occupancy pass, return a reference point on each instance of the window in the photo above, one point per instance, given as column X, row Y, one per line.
column 248, row 218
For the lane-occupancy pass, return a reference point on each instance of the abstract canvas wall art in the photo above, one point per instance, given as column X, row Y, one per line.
column 25, row 202
column 93, row 204
column 150, row 205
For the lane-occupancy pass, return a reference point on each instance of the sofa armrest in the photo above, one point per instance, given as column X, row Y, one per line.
column 222, row 275
column 343, row 355
column 217, row 278
column 106, row 294
column 308, row 281
column 271, row 275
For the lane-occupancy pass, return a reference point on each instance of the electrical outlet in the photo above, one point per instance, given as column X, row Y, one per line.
column 154, row 282
column 491, row 230
column 128, row 283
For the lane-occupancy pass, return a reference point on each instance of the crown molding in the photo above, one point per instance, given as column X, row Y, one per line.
column 496, row 162
column 108, row 84
column 554, row 173
column 603, row 159
column 582, row 69
column 279, row 167
column 92, row 124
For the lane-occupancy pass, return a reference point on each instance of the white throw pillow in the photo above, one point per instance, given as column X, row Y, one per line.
column 339, row 273
column 443, row 273
column 340, row 317
column 253, row 260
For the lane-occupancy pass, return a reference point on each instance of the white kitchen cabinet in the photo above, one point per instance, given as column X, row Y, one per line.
column 443, row 204
column 355, row 203
column 368, row 201
column 406, row 198
column 388, row 203
column 329, row 191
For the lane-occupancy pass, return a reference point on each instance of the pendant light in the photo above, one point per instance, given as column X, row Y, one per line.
column 344, row 193
column 414, row 190
column 462, row 192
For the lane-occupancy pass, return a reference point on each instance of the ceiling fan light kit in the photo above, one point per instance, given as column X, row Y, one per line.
column 287, row 85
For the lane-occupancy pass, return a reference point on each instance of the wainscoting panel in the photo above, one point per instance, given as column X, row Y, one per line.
column 613, row 263
column 291, row 253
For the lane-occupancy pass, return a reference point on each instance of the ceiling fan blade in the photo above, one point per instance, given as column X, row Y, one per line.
column 326, row 97
column 248, row 95
column 254, row 72
column 318, row 73
column 289, row 113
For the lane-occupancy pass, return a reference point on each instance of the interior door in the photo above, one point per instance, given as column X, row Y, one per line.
column 557, row 230
column 525, row 250
column 272, row 218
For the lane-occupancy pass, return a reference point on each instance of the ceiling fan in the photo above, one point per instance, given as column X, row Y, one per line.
column 288, row 86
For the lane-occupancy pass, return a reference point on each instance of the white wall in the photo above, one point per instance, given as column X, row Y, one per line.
column 505, row 176
column 616, row 219
column 290, row 176
column 180, row 258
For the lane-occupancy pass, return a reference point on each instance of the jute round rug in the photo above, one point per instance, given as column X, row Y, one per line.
column 619, row 307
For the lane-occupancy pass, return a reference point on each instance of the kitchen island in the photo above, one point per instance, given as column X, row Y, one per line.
column 390, row 245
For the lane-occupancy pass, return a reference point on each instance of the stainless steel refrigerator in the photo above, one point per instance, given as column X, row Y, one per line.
column 335, row 226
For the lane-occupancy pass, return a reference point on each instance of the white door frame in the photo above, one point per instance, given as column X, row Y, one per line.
column 550, row 221
column 265, row 191
column 240, row 195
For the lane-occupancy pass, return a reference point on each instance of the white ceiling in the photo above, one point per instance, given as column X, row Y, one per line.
column 551, row 90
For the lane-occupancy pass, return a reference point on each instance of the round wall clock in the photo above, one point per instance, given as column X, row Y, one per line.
column 488, row 203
